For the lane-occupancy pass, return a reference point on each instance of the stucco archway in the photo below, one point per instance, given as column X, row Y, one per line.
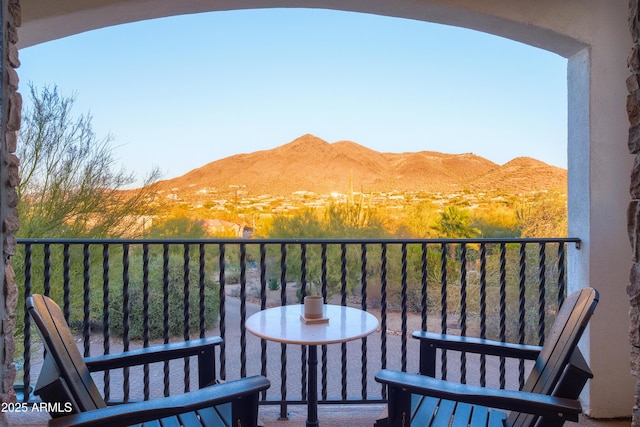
column 592, row 34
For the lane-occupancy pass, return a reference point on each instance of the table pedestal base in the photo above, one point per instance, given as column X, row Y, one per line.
column 312, row 388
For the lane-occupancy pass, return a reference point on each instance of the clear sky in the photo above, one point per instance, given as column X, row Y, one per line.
column 180, row 92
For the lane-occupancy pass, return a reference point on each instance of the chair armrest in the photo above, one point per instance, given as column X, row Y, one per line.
column 430, row 342
column 140, row 412
column 156, row 353
column 530, row 403
column 477, row 345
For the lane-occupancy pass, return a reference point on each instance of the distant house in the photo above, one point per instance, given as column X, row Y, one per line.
column 219, row 227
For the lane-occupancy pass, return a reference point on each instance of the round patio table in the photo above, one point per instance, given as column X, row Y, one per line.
column 286, row 325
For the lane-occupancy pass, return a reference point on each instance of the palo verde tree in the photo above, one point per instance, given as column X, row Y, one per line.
column 70, row 185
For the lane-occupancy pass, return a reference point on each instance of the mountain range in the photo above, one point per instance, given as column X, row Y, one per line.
column 311, row 164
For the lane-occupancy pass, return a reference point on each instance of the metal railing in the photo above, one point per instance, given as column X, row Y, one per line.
column 122, row 294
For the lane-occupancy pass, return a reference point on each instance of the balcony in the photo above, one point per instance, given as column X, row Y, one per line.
column 126, row 294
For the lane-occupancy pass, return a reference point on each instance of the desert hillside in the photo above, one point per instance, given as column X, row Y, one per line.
column 311, row 164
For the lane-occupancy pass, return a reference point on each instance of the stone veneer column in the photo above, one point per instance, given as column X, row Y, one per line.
column 10, row 115
column 633, row 108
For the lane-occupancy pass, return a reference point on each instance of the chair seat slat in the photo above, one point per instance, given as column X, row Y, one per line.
column 462, row 415
column 190, row 419
column 479, row 416
column 170, row 422
column 445, row 412
column 425, row 411
column 220, row 415
column 496, row 418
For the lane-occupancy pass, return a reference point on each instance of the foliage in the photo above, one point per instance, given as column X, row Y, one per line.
column 273, row 284
column 545, row 215
column 419, row 219
column 339, row 221
column 496, row 220
column 69, row 184
column 455, row 223
column 177, row 228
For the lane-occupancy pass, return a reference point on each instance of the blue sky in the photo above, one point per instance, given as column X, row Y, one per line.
column 180, row 92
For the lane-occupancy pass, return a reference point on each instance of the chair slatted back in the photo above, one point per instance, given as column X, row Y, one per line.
column 570, row 323
column 63, row 355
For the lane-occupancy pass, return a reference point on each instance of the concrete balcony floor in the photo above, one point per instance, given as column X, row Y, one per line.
column 366, row 416
column 329, row 416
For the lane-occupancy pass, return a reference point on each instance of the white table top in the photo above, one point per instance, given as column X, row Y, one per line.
column 283, row 324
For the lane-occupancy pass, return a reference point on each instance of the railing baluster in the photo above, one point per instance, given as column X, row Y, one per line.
column 483, row 310
column 145, row 315
column 443, row 304
column 263, row 305
column 186, row 311
column 283, row 274
column 323, row 292
column 503, row 307
column 522, row 307
column 403, row 314
column 126, row 315
column 106, row 319
column 283, row 347
column 222, row 323
column 383, row 311
column 66, row 282
column 86, row 274
column 47, row 269
column 363, row 306
column 26, row 366
column 424, row 288
column 343, row 301
column 202, row 287
column 165, row 314
column 561, row 273
column 542, row 273
column 323, row 273
column 463, row 309
column 303, row 349
column 243, row 310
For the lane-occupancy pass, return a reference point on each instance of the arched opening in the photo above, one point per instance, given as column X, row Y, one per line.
column 390, row 84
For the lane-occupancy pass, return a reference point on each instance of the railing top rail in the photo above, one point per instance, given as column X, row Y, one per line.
column 575, row 240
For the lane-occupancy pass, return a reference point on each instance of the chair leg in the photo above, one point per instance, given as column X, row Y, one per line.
column 244, row 411
column 399, row 407
column 427, row 359
column 206, row 367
